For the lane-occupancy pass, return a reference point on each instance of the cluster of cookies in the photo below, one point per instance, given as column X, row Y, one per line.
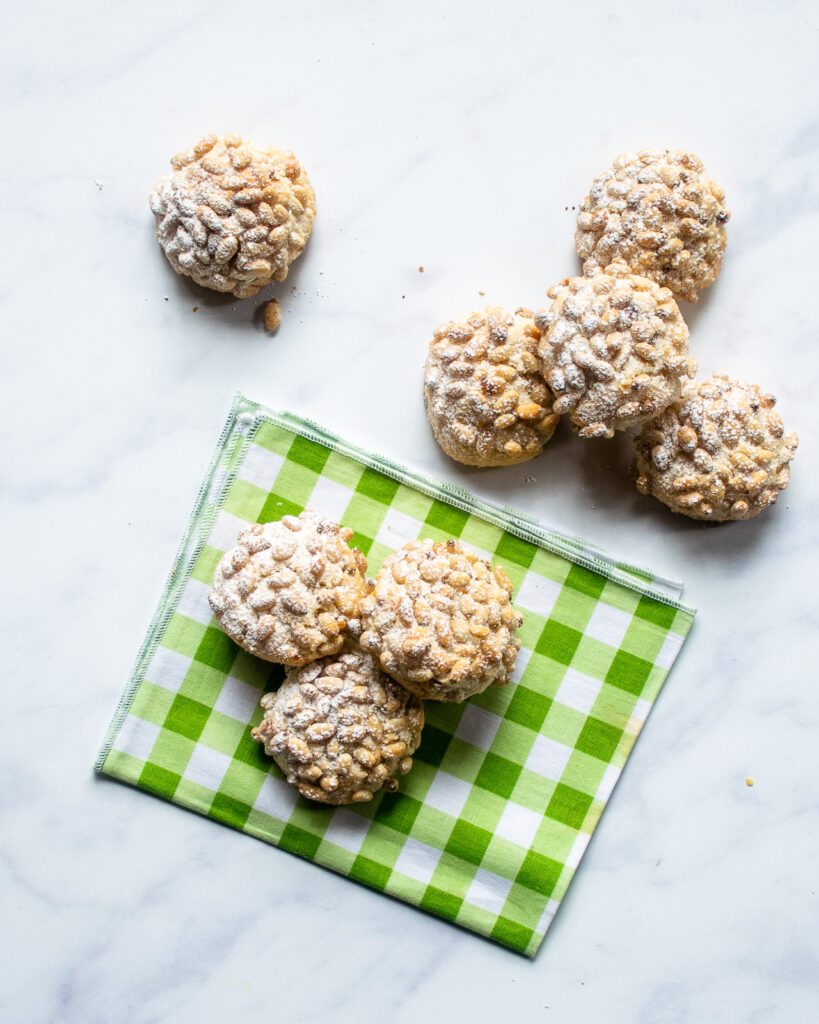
column 436, row 624
column 612, row 352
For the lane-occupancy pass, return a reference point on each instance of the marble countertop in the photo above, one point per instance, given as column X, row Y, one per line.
column 458, row 137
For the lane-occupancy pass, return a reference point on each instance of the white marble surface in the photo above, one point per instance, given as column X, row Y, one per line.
column 452, row 136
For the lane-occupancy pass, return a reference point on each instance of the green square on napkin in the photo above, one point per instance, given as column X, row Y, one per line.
column 506, row 789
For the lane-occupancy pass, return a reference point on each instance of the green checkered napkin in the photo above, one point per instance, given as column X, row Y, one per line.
column 506, row 789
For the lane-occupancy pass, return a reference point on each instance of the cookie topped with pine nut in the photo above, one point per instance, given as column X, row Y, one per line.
column 485, row 399
column 660, row 212
column 340, row 729
column 718, row 453
column 614, row 349
column 441, row 621
column 290, row 590
column 232, row 215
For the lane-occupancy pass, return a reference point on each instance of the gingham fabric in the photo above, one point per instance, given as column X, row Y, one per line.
column 490, row 825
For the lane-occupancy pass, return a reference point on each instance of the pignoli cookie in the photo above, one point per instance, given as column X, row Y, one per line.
column 232, row 215
column 340, row 729
column 290, row 590
column 441, row 621
column 658, row 211
column 720, row 452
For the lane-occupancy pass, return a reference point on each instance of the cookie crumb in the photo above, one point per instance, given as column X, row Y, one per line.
column 420, row 270
column 481, row 291
column 272, row 315
column 195, row 309
column 749, row 781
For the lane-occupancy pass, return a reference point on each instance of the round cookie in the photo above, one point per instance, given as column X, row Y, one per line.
column 340, row 729
column 720, row 452
column 233, row 216
column 485, row 399
column 290, row 589
column 440, row 620
column 659, row 212
column 614, row 349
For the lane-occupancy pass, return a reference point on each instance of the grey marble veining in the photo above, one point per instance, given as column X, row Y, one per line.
column 456, row 137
